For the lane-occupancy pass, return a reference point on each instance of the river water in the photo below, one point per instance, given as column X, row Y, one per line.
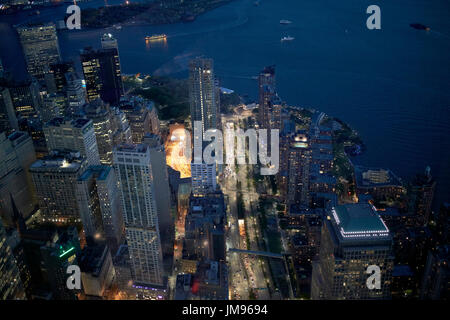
column 392, row 85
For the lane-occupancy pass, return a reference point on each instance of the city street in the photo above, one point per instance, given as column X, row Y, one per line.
column 248, row 273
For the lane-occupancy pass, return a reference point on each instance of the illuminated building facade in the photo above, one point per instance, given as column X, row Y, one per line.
column 40, row 47
column 204, row 228
column 101, row 69
column 162, row 196
column 436, row 278
column 203, row 177
column 8, row 119
column 97, row 270
column 421, row 194
column 75, row 94
column 353, row 238
column 101, row 116
column 55, row 180
column 202, row 93
column 11, row 287
column 58, row 73
column 57, row 255
column 99, row 204
column 16, row 154
column 134, row 171
column 266, row 95
column 299, row 161
column 380, row 183
column 25, row 98
column 75, row 135
column 142, row 117
column 121, row 127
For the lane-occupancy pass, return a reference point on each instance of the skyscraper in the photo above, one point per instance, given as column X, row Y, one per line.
column 8, row 120
column 11, row 287
column 57, row 255
column 100, row 208
column 55, row 179
column 25, row 97
column 134, row 171
column 142, row 117
column 40, row 48
column 101, row 116
column 101, row 69
column 58, row 73
column 353, row 238
column 75, row 94
column 109, row 42
column 299, row 160
column 74, row 135
column 16, row 154
column 266, row 94
column 50, row 106
column 202, row 93
column 436, row 278
column 121, row 127
column 162, row 196
column 203, row 177
column 421, row 193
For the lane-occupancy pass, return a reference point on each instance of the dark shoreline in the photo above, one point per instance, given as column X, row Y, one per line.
column 154, row 13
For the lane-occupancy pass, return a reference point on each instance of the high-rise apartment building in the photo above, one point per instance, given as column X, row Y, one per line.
column 75, row 94
column 40, row 47
column 25, row 98
column 58, row 74
column 8, row 120
column 11, row 287
column 55, row 180
column 203, row 177
column 299, row 160
column 353, row 238
column 266, row 94
column 100, row 207
column 101, row 69
column 50, row 106
column 202, row 93
column 121, row 127
column 162, row 196
column 142, row 117
column 57, row 255
column 16, row 155
column 74, row 135
column 436, row 278
column 101, row 116
column 421, row 194
column 133, row 168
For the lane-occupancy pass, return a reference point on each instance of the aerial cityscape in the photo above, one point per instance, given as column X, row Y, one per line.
column 224, row 150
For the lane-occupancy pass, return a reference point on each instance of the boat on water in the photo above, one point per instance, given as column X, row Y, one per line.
column 419, row 26
column 287, row 38
column 285, row 21
column 118, row 27
column 188, row 18
column 156, row 37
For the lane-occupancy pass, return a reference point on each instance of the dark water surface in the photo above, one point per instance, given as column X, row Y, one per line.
column 392, row 85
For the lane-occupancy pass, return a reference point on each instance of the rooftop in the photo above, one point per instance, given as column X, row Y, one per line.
column 101, row 172
column 375, row 177
column 77, row 123
column 359, row 220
